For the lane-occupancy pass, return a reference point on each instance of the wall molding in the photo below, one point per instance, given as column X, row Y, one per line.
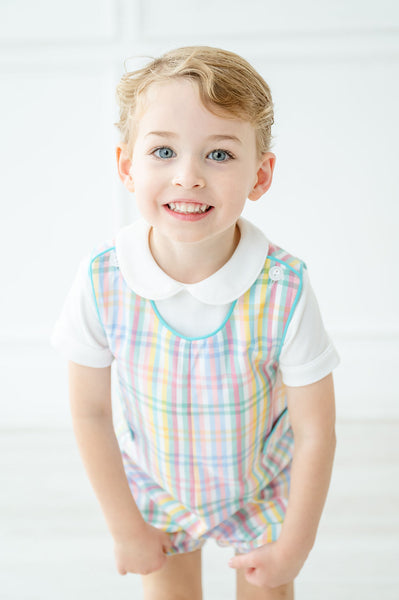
column 309, row 48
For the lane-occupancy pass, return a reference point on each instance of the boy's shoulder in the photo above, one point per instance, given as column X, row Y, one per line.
column 280, row 255
column 259, row 248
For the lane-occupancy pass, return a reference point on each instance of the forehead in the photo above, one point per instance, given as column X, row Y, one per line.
column 176, row 105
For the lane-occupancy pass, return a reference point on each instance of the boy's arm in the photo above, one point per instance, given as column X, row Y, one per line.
column 90, row 398
column 312, row 415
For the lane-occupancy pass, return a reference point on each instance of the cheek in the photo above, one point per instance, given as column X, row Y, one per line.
column 142, row 175
column 144, row 187
column 236, row 184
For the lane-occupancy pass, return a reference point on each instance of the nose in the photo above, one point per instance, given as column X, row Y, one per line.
column 188, row 175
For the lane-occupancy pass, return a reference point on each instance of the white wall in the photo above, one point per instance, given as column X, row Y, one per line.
column 333, row 70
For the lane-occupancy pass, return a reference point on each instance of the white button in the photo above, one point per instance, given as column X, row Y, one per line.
column 276, row 273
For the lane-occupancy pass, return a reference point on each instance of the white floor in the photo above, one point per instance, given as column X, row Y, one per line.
column 54, row 544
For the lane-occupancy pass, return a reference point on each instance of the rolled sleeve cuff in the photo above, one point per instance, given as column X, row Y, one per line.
column 80, row 353
column 313, row 371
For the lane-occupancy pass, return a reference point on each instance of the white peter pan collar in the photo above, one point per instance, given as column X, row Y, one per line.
column 143, row 275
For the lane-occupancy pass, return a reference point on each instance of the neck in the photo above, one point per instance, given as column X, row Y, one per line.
column 193, row 262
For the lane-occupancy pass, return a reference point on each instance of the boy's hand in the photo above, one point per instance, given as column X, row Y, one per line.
column 144, row 553
column 267, row 566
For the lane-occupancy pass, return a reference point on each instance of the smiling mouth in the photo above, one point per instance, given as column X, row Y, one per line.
column 189, row 208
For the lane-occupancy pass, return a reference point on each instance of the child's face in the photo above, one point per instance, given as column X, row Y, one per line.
column 190, row 169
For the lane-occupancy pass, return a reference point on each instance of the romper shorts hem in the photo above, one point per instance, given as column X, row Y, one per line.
column 183, row 543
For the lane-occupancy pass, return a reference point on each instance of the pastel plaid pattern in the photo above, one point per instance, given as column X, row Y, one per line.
column 207, row 444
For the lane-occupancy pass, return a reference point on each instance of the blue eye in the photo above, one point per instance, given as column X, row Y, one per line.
column 164, row 152
column 219, row 155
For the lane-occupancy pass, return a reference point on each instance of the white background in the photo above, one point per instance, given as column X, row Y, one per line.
column 333, row 71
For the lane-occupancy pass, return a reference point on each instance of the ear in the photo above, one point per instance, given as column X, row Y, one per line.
column 264, row 176
column 124, row 163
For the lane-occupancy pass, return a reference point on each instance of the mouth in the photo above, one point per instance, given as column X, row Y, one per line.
column 189, row 208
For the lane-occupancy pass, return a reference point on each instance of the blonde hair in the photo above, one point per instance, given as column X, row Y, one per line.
column 227, row 84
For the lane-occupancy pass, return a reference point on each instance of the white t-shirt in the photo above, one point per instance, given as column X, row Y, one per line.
column 193, row 310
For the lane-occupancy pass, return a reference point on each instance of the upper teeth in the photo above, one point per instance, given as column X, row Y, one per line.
column 188, row 207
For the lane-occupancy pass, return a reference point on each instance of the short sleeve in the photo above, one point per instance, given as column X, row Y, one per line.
column 78, row 333
column 308, row 353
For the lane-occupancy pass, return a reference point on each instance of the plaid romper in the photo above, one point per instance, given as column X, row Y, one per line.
column 206, row 440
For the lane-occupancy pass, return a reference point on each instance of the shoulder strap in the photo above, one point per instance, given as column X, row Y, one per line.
column 285, row 273
column 102, row 270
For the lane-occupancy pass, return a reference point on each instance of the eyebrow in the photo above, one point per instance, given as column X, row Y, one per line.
column 213, row 138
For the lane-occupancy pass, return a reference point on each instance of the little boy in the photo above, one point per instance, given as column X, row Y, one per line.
column 221, row 355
